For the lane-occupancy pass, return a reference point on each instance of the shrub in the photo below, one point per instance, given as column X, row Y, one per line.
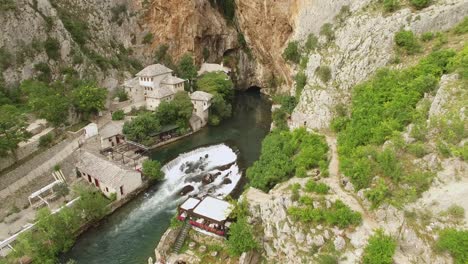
column 320, row 188
column 377, row 194
column 327, row 259
column 292, row 52
column 408, row 41
column 380, row 249
column 462, row 28
column 295, row 191
column 456, row 243
column 5, row 59
column 61, row 190
column 417, row 149
column 456, row 211
column 6, row 5
column 420, row 4
column 118, row 115
column 311, row 43
column 327, row 31
column 152, row 170
column 148, row 38
column 391, row 5
column 338, row 214
column 45, row 74
column 324, row 73
column 301, row 80
column 52, row 48
column 389, row 164
column 279, row 117
column 45, row 141
column 279, row 148
column 427, row 36
column 241, row 238
column 122, row 95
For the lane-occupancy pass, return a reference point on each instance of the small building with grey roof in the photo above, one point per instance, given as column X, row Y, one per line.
column 108, row 176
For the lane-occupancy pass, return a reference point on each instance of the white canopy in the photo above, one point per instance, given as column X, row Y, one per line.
column 189, row 204
column 213, row 208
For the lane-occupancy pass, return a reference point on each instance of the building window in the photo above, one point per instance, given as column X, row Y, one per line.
column 107, row 189
column 121, row 190
column 96, row 182
column 89, row 178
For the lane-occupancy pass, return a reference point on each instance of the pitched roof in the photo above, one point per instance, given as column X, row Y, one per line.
column 153, row 70
column 111, row 129
column 104, row 170
column 172, row 80
column 201, row 96
column 213, row 208
column 132, row 82
column 161, row 92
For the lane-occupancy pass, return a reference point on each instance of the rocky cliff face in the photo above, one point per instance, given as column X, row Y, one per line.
column 363, row 43
column 92, row 37
column 190, row 26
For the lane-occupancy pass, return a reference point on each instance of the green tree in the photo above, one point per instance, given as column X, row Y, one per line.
column 186, row 67
column 141, row 127
column 50, row 102
column 241, row 238
column 92, row 205
column 178, row 111
column 220, row 109
column 152, row 170
column 118, row 115
column 217, row 83
column 380, row 249
column 89, row 98
column 12, row 129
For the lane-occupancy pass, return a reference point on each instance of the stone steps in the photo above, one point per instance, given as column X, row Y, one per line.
column 181, row 237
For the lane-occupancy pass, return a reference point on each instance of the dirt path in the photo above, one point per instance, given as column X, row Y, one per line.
column 334, row 181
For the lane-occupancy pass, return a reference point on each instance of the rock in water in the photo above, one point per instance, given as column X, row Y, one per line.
column 187, row 189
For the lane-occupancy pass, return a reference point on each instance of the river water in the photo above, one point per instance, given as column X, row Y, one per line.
column 130, row 235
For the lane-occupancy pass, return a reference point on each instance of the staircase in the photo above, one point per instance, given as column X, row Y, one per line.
column 181, row 237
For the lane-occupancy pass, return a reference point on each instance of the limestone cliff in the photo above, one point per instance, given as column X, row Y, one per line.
column 93, row 38
column 363, row 43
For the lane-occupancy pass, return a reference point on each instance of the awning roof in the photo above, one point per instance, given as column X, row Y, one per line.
column 164, row 129
column 189, row 204
column 214, row 209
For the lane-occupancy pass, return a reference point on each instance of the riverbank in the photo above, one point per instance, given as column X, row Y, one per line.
column 146, row 218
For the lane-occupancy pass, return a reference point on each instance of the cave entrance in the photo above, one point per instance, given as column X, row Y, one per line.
column 254, row 89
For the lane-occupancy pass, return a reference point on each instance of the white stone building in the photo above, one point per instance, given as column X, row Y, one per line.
column 201, row 104
column 111, row 134
column 153, row 85
column 109, row 177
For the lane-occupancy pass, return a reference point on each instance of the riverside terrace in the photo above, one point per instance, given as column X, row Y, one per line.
column 209, row 214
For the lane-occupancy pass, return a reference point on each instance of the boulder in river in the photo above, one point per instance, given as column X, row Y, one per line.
column 187, row 189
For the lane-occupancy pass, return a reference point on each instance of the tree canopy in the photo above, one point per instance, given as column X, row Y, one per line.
column 152, row 169
column 141, row 127
column 89, row 98
column 186, row 67
column 221, row 86
column 12, row 129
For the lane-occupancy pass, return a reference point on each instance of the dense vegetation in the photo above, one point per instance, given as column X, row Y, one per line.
column 380, row 249
column 240, row 237
column 285, row 154
column 152, row 170
column 406, row 40
column 382, row 107
column 56, row 233
column 292, row 52
column 12, row 129
column 339, row 214
column 226, row 7
column 222, row 88
column 175, row 112
column 456, row 243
